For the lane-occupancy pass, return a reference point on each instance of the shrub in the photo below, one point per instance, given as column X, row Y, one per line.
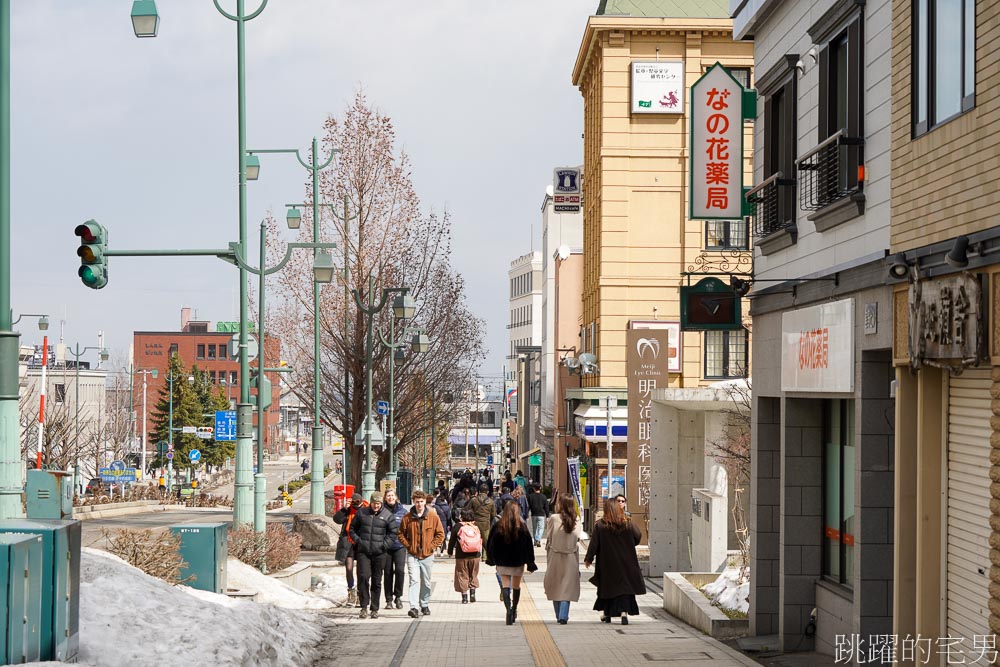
column 157, row 554
column 280, row 547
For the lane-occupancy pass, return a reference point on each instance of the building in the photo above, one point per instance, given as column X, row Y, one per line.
column 822, row 350
column 944, row 268
column 474, row 440
column 567, row 316
column 210, row 351
column 525, row 336
column 635, row 65
column 561, row 233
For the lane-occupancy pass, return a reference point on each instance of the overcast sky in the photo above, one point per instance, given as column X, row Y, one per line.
column 141, row 136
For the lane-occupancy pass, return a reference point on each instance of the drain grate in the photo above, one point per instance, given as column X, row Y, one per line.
column 683, row 658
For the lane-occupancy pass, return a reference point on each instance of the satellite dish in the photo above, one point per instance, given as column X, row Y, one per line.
column 588, row 359
column 571, row 363
column 563, row 252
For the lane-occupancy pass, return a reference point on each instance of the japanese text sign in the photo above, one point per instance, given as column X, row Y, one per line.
column 946, row 321
column 716, row 146
column 658, row 87
column 817, row 348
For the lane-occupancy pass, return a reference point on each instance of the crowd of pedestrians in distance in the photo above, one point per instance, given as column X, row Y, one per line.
column 500, row 522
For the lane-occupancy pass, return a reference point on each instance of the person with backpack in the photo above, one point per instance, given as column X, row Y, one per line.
column 522, row 504
column 484, row 511
column 467, row 544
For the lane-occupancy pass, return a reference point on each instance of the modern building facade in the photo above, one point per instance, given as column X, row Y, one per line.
column 822, row 352
column 525, row 352
column 638, row 238
column 945, row 274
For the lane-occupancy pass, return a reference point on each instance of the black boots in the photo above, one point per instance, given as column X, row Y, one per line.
column 472, row 595
column 465, row 598
column 513, row 608
column 505, row 594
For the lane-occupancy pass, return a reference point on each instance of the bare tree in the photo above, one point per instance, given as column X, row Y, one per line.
column 732, row 451
column 389, row 242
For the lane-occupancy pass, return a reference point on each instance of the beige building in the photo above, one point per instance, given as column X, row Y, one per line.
column 637, row 237
column 945, row 248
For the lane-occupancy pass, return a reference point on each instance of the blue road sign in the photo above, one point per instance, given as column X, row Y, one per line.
column 225, row 425
column 115, row 475
column 194, row 455
column 383, row 407
column 170, row 455
column 489, row 459
column 118, row 465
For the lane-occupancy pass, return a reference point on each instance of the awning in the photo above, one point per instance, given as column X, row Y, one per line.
column 536, row 450
column 591, row 423
column 483, row 439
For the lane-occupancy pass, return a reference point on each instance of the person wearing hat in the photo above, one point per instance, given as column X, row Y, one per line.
column 372, row 538
column 345, row 545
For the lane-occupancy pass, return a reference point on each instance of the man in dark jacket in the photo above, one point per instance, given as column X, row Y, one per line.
column 395, row 559
column 370, row 531
column 538, row 506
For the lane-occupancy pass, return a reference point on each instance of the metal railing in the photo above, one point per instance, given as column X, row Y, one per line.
column 769, row 215
column 830, row 172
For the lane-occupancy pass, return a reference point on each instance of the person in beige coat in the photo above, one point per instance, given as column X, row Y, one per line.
column 562, row 548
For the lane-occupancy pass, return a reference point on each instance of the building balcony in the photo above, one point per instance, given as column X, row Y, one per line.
column 773, row 205
column 831, row 180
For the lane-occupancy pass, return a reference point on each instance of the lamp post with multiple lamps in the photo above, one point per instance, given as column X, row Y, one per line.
column 145, row 420
column 370, row 307
column 77, row 353
column 325, row 261
column 403, row 308
column 171, row 377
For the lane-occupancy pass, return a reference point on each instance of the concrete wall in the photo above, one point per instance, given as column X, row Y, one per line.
column 765, row 515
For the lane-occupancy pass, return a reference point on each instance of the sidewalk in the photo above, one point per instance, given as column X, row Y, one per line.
column 476, row 633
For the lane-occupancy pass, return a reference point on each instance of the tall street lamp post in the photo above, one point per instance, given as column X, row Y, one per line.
column 370, row 308
column 293, row 218
column 77, row 353
column 145, row 420
column 403, row 308
column 170, row 429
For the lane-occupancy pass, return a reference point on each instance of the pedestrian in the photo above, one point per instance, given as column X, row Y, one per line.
column 345, row 545
column 522, row 504
column 508, row 483
column 372, row 539
column 617, row 575
column 502, row 500
column 623, row 503
column 484, row 511
column 467, row 544
column 421, row 533
column 443, row 509
column 538, row 508
column 509, row 548
column 305, row 466
column 395, row 562
column 460, row 503
column 520, row 480
column 562, row 557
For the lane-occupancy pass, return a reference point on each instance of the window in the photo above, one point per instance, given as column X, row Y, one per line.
column 944, row 61
column 726, row 235
column 232, row 378
column 211, row 376
column 211, row 352
column 200, row 352
column 773, row 199
column 838, row 491
column 726, row 354
column 60, row 393
column 173, row 349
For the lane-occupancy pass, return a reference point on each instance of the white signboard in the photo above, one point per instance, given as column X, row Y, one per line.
column 566, row 189
column 817, row 348
column 716, row 146
column 658, row 87
column 673, row 348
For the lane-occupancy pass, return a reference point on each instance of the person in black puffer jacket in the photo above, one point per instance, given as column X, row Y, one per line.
column 510, row 548
column 372, row 536
column 395, row 559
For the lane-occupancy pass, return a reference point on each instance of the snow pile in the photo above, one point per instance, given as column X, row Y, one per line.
column 130, row 618
column 272, row 591
column 727, row 592
column 332, row 587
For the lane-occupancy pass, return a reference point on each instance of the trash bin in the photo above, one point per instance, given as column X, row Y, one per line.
column 342, row 495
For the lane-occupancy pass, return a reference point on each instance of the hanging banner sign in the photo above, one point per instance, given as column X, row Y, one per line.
column 716, row 146
column 573, row 464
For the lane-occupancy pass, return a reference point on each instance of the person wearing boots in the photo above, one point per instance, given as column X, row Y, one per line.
column 372, row 539
column 395, row 562
column 509, row 548
column 467, row 544
column 617, row 575
column 421, row 533
column 345, row 546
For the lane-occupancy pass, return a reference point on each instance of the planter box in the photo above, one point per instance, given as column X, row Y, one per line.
column 683, row 599
column 298, row 576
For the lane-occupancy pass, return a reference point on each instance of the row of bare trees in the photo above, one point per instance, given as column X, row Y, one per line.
column 389, row 240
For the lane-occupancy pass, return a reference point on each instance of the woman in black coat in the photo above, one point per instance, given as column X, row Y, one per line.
column 510, row 548
column 617, row 574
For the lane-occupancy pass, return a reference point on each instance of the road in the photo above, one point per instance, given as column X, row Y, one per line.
column 284, row 469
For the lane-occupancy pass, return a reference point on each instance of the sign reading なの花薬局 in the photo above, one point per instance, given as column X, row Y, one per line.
column 817, row 348
column 716, row 146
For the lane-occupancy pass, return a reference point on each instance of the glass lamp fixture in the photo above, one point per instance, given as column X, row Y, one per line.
column 403, row 307
column 145, row 20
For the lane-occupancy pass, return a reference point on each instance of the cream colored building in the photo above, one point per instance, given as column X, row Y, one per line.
column 637, row 238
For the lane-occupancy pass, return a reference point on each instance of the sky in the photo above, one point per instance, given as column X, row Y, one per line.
column 141, row 135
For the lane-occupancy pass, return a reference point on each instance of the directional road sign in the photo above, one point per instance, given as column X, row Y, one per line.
column 382, row 407
column 194, row 455
column 225, row 425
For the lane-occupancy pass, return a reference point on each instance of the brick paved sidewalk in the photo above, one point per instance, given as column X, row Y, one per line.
column 457, row 634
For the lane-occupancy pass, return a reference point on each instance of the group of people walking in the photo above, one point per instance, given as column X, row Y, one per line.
column 380, row 536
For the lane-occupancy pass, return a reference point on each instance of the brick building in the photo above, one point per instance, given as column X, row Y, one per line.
column 197, row 345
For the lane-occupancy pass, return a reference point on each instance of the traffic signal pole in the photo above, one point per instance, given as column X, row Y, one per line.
column 10, row 441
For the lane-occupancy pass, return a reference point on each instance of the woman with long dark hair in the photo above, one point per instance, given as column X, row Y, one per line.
column 510, row 549
column 617, row 575
column 562, row 548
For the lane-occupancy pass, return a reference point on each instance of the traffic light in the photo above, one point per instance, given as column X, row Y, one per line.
column 263, row 386
column 93, row 264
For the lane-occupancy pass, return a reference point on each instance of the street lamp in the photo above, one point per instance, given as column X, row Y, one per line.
column 43, row 320
column 370, row 307
column 403, row 308
column 293, row 218
column 77, row 353
column 171, row 376
column 145, row 20
column 145, row 420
